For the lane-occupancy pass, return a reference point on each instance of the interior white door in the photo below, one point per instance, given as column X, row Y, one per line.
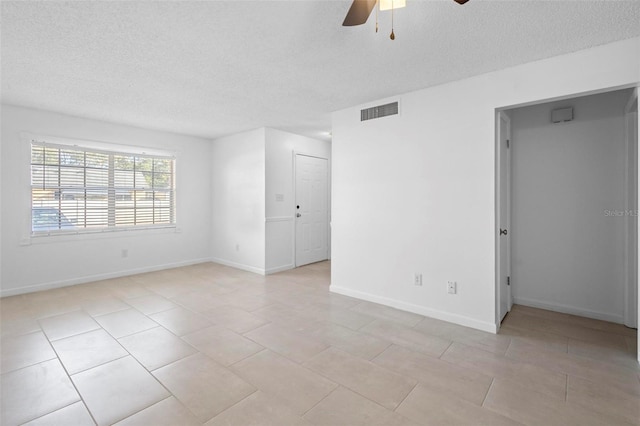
column 312, row 209
column 504, row 220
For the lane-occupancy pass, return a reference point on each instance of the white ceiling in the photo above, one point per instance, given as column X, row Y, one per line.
column 213, row 68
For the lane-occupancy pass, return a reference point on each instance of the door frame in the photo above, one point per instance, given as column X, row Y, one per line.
column 499, row 151
column 632, row 300
column 631, row 185
column 293, row 206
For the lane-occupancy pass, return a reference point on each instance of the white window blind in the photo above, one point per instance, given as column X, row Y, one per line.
column 76, row 189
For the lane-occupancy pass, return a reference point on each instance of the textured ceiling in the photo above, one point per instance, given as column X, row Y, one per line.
column 213, row 68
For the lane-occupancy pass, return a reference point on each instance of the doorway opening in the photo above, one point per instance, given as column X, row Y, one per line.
column 567, row 206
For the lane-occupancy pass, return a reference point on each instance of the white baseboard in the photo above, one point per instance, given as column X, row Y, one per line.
column 242, row 266
column 565, row 309
column 97, row 277
column 416, row 309
column 279, row 269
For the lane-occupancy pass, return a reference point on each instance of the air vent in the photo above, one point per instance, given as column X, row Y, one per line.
column 562, row 115
column 379, row 111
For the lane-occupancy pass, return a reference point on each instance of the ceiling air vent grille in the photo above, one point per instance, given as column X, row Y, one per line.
column 379, row 111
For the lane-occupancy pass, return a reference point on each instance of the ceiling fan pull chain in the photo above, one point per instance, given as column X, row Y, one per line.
column 392, row 36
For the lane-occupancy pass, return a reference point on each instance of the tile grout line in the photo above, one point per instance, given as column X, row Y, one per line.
column 487, row 393
column 406, row 396
column 445, row 351
column 321, row 399
column 232, row 405
column 73, row 384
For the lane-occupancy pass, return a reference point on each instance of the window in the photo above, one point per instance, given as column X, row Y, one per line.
column 76, row 189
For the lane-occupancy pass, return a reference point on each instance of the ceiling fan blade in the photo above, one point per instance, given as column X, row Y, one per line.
column 359, row 12
column 461, row 1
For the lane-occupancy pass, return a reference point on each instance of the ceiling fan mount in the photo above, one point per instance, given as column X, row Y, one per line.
column 361, row 9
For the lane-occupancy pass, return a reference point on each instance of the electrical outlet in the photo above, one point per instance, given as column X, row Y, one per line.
column 237, row 247
column 452, row 287
column 417, row 279
column 125, row 253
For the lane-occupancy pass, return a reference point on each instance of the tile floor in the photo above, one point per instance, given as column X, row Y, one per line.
column 208, row 344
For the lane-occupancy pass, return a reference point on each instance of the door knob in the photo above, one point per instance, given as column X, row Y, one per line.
column 298, row 215
column 503, row 232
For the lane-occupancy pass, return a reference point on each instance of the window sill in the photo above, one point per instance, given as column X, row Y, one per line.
column 59, row 237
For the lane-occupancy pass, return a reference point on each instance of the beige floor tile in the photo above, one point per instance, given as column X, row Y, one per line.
column 234, row 319
column 151, row 304
column 57, row 294
column 626, row 358
column 34, row 391
column 299, row 388
column 564, row 328
column 359, row 344
column 387, row 313
column 585, row 322
column 129, row 291
column 247, row 301
column 287, row 316
column 548, row 341
column 70, row 324
column 291, row 344
column 205, row 387
column 124, row 323
column 16, row 327
column 88, row 350
column 530, row 407
column 335, row 300
column 171, row 287
column 168, row 412
column 407, row 337
column 118, row 389
column 18, row 351
column 533, row 376
column 435, row 373
column 297, row 315
column 337, row 315
column 457, row 333
column 93, row 290
column 198, row 301
column 51, row 307
column 15, row 313
column 364, row 377
column 574, row 365
column 156, row 347
column 181, row 321
column 223, row 345
column 258, row 409
column 75, row 414
column 605, row 399
column 344, row 407
column 104, row 305
column 427, row 406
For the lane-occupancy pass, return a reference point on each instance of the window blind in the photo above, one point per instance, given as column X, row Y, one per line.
column 76, row 189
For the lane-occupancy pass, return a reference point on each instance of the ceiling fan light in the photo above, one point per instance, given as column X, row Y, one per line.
column 392, row 4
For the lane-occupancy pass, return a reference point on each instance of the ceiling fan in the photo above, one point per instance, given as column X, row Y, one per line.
column 361, row 9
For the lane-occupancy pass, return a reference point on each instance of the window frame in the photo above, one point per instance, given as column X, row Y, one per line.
column 111, row 150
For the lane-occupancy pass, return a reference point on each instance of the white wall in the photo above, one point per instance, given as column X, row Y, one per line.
column 46, row 262
column 567, row 251
column 416, row 192
column 238, row 200
column 280, row 222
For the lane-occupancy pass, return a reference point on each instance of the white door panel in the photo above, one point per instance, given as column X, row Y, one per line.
column 312, row 214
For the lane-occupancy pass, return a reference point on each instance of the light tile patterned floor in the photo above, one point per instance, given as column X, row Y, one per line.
column 208, row 344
